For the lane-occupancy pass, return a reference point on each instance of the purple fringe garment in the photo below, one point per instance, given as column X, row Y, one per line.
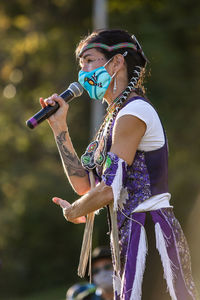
column 173, row 250
column 170, row 240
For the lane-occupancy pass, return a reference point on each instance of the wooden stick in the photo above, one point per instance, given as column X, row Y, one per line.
column 86, row 249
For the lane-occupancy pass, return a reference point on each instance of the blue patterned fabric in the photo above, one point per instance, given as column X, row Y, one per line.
column 95, row 82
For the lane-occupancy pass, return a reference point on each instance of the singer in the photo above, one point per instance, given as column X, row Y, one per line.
column 129, row 158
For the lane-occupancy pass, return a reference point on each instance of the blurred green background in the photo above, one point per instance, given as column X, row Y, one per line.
column 39, row 251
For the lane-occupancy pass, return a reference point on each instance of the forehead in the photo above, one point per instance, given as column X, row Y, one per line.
column 91, row 52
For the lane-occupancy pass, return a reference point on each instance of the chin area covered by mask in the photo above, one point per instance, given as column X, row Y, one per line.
column 104, row 279
column 96, row 82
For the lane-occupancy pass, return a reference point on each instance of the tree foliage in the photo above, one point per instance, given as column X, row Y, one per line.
column 38, row 38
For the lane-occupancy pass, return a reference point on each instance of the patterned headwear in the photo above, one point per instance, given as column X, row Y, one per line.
column 136, row 47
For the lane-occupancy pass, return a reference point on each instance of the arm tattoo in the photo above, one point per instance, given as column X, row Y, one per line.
column 71, row 161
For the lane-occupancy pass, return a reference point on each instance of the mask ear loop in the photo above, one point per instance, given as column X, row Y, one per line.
column 115, row 83
column 124, row 54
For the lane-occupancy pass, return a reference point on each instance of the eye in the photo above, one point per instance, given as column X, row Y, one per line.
column 89, row 60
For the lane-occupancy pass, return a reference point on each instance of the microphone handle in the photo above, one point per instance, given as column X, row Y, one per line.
column 45, row 113
column 48, row 111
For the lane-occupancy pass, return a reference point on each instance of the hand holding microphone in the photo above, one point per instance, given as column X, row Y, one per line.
column 74, row 90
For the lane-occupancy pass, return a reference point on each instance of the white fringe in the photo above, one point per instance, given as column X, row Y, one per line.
column 117, row 184
column 136, row 293
column 116, row 251
column 117, row 284
column 115, row 238
column 161, row 245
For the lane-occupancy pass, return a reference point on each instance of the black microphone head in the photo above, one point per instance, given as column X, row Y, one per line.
column 76, row 89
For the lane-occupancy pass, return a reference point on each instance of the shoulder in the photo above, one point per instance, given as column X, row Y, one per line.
column 128, row 130
column 141, row 109
column 127, row 134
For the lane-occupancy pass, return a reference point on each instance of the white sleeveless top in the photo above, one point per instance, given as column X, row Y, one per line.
column 153, row 139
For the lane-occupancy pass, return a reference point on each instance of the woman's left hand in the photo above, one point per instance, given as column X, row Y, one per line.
column 66, row 206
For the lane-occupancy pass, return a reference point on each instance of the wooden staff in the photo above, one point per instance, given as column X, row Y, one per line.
column 86, row 249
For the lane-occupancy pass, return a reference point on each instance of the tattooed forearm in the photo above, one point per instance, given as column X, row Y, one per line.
column 71, row 162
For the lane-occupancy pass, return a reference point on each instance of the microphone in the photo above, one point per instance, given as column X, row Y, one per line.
column 74, row 90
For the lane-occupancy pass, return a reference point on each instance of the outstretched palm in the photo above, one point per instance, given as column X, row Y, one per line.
column 65, row 205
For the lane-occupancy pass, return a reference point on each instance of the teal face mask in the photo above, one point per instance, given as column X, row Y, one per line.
column 95, row 82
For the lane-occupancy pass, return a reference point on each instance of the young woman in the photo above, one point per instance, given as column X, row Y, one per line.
column 129, row 158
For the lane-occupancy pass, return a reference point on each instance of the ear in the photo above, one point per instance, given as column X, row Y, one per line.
column 118, row 62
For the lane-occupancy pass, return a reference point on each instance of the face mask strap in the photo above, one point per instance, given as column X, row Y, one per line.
column 124, row 54
column 108, row 61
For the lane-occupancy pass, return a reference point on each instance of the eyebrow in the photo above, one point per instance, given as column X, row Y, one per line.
column 86, row 55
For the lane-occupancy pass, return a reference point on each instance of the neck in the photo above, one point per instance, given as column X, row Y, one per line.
column 111, row 101
column 111, row 97
column 121, row 84
column 120, row 81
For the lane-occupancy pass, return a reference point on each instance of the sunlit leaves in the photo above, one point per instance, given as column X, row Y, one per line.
column 22, row 22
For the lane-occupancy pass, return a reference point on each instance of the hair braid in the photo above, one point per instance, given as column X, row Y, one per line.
column 133, row 83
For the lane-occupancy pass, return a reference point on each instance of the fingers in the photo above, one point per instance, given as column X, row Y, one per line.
column 78, row 220
column 61, row 202
column 65, row 205
column 42, row 103
column 81, row 220
column 52, row 100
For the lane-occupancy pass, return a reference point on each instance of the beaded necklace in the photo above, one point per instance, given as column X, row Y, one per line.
column 95, row 153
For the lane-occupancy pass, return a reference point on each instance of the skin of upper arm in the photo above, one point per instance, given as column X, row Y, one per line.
column 127, row 134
